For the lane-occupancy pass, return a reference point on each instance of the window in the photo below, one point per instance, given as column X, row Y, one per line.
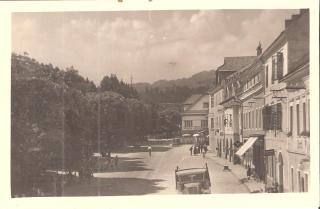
column 273, row 70
column 188, row 123
column 298, row 119
column 308, row 114
column 249, row 120
column 253, row 119
column 257, row 119
column 299, row 181
column 291, row 119
column 212, row 124
column 279, row 65
column 212, row 101
column 204, row 123
column 306, row 182
column 267, row 76
column 304, row 117
column 292, row 180
column 261, row 119
column 205, row 105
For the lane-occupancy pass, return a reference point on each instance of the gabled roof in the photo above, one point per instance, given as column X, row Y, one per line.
column 192, row 99
column 235, row 63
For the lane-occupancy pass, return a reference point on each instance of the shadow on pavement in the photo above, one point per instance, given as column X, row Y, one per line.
column 125, row 164
column 114, row 187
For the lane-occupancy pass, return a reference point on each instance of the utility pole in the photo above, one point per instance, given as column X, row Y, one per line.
column 131, row 79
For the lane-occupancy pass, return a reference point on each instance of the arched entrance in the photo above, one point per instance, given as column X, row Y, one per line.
column 280, row 168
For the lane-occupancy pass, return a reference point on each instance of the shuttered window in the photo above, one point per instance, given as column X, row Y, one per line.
column 274, row 70
column 304, row 117
column 279, row 65
column 267, row 76
column 272, row 117
column 291, row 119
column 298, row 118
column 266, row 114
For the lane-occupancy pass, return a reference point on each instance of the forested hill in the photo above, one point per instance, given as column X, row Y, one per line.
column 176, row 91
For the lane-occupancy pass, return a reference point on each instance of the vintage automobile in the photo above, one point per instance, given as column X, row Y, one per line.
column 193, row 180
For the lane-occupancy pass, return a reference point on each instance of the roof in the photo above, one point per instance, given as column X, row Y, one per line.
column 235, row 63
column 191, row 171
column 193, row 98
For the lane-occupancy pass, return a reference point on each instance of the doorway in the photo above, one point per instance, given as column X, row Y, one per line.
column 280, row 168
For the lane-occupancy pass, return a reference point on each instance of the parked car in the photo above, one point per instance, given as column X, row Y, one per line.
column 193, row 180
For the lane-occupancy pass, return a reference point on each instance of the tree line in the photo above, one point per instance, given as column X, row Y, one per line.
column 59, row 118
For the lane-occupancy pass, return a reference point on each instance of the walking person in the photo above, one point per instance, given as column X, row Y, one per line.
column 205, row 148
column 149, row 150
column 116, row 159
column 191, row 149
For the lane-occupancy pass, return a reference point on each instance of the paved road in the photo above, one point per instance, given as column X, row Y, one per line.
column 139, row 174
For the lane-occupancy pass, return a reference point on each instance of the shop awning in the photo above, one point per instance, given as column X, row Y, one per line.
column 246, row 146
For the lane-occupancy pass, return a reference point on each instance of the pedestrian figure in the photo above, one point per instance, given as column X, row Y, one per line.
column 111, row 163
column 201, row 147
column 116, row 159
column 205, row 148
column 149, row 150
column 108, row 162
column 249, row 172
column 191, row 149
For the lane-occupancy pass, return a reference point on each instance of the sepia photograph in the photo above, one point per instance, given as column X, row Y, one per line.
column 113, row 103
column 149, row 104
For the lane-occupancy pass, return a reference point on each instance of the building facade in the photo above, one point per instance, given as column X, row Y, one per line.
column 286, row 107
column 195, row 115
column 223, row 118
column 251, row 97
column 215, row 120
column 264, row 104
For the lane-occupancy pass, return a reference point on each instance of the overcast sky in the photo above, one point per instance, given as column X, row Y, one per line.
column 147, row 45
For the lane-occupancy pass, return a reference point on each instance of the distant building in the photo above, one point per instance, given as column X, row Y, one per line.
column 195, row 115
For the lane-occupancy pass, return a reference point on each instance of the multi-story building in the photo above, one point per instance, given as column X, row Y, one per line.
column 224, row 107
column 195, row 115
column 215, row 120
column 286, row 115
column 251, row 97
column 260, row 109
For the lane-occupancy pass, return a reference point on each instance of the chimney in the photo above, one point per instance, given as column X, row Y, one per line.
column 287, row 23
column 259, row 49
column 302, row 11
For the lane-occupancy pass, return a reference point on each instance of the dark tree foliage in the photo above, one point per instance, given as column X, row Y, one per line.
column 58, row 119
column 113, row 84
